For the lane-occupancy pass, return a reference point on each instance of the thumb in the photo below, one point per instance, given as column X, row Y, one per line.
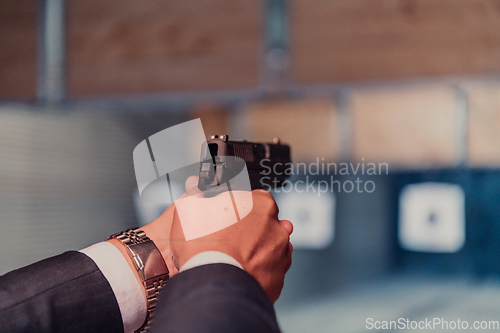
column 191, row 183
column 177, row 239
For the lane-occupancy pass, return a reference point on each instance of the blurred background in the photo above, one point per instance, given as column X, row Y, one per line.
column 413, row 84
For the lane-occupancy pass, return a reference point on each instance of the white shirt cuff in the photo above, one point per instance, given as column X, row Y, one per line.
column 124, row 284
column 122, row 280
column 209, row 257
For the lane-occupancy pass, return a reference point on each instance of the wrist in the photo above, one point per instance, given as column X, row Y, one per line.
column 155, row 234
column 159, row 232
column 187, row 251
column 148, row 263
column 210, row 257
column 123, row 250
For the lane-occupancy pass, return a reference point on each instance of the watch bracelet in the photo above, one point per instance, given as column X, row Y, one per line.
column 153, row 286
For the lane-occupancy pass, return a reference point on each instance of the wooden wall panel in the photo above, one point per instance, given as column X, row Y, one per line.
column 130, row 46
column 484, row 125
column 18, row 38
column 214, row 118
column 347, row 40
column 407, row 127
column 310, row 127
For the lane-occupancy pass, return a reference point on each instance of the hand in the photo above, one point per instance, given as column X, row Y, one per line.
column 159, row 230
column 259, row 241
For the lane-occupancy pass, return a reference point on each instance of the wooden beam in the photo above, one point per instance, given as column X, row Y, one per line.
column 129, row 46
column 345, row 40
column 18, row 57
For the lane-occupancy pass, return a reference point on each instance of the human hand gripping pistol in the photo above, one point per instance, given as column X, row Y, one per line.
column 222, row 160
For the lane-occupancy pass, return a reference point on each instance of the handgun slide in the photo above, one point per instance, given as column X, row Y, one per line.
column 222, row 160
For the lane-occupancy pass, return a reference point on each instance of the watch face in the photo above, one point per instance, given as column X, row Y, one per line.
column 144, row 253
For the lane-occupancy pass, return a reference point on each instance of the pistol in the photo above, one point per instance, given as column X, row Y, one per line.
column 221, row 160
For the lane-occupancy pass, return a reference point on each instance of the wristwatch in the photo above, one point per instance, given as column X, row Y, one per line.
column 150, row 265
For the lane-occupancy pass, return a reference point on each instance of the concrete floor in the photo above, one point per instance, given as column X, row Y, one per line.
column 410, row 298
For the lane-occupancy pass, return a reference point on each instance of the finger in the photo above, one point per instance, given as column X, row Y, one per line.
column 287, row 225
column 289, row 256
column 172, row 266
column 262, row 198
column 176, row 232
column 191, row 182
column 177, row 240
column 191, row 186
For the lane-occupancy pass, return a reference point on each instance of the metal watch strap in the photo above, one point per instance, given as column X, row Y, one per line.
column 143, row 250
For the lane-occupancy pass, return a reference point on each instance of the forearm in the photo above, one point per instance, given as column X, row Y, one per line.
column 117, row 268
column 66, row 293
column 114, row 260
column 214, row 298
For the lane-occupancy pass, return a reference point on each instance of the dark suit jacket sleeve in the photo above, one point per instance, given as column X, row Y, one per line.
column 214, row 298
column 65, row 293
